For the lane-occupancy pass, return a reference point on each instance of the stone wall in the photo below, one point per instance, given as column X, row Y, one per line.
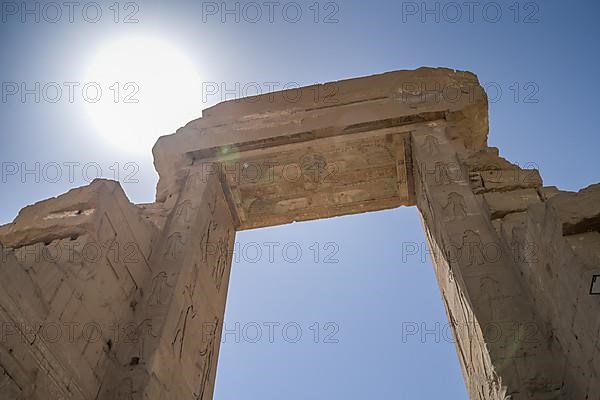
column 102, row 299
column 71, row 269
column 561, row 269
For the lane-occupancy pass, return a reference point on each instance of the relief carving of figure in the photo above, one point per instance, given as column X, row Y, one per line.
column 472, row 251
column 455, row 207
column 442, row 174
column 175, row 243
column 313, row 167
column 204, row 360
column 220, row 263
column 185, row 212
column 158, row 294
column 431, row 145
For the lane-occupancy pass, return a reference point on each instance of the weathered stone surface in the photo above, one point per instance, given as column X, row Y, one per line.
column 485, row 159
column 66, row 216
column 502, row 180
column 371, row 106
column 549, row 192
column 517, row 263
column 482, row 271
column 74, row 268
column 578, row 212
column 560, row 273
column 503, row 203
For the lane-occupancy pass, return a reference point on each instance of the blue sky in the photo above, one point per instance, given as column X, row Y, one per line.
column 540, row 64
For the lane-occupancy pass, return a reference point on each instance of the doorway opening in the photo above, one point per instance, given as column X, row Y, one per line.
column 346, row 307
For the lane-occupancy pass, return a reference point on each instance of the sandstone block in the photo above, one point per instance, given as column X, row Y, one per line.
column 504, row 203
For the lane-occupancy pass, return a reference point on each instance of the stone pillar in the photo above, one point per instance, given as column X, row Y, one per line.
column 501, row 342
column 170, row 348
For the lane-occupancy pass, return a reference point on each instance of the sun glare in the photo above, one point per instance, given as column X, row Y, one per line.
column 138, row 89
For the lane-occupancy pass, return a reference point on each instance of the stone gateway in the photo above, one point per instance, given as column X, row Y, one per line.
column 102, row 299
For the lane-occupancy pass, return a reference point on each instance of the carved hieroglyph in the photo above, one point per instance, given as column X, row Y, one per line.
column 138, row 291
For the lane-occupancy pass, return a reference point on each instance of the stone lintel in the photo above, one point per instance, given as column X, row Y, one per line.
column 323, row 150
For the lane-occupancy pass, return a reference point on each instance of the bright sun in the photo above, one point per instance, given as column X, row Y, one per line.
column 148, row 88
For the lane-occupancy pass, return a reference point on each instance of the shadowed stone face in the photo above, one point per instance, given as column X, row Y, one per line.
column 325, row 179
column 518, row 265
